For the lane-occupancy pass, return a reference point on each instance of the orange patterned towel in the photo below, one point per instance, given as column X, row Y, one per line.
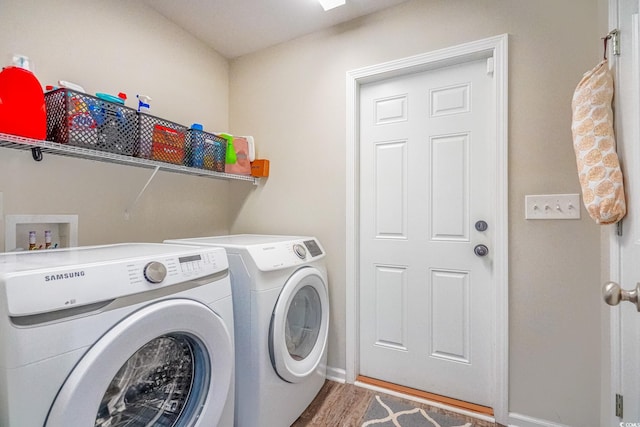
column 595, row 146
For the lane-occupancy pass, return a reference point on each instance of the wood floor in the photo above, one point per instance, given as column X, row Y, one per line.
column 344, row 405
column 337, row 405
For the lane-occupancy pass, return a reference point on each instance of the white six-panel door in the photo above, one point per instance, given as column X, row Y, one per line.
column 427, row 177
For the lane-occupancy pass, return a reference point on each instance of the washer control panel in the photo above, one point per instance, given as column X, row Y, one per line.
column 177, row 269
column 64, row 279
column 191, row 264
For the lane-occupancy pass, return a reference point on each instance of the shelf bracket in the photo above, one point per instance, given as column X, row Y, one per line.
column 36, row 153
column 127, row 211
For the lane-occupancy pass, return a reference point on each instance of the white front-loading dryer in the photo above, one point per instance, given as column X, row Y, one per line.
column 116, row 335
column 281, row 309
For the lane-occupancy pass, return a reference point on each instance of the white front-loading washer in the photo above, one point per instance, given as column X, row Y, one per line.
column 281, row 309
column 116, row 335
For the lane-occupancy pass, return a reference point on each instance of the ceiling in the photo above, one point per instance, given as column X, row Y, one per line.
column 238, row 27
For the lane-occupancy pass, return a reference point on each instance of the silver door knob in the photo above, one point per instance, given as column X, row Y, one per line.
column 481, row 250
column 613, row 294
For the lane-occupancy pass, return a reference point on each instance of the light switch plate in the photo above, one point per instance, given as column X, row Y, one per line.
column 552, row 206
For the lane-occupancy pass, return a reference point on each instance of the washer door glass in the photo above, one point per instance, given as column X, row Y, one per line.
column 299, row 326
column 168, row 364
column 156, row 384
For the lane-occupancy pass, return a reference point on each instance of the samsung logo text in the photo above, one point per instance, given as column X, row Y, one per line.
column 63, row 276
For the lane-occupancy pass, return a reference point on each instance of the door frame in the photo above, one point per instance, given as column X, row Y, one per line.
column 612, row 317
column 496, row 47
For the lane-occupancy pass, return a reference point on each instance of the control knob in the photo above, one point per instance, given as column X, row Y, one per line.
column 155, row 272
column 300, row 251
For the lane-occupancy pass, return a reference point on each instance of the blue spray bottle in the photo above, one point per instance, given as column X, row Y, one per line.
column 143, row 103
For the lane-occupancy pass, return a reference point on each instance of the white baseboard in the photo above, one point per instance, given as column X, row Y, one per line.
column 336, row 374
column 519, row 420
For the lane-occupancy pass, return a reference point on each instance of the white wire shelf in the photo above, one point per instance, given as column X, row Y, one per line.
column 22, row 143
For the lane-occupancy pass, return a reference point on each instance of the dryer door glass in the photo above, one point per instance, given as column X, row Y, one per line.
column 299, row 326
column 155, row 386
column 303, row 323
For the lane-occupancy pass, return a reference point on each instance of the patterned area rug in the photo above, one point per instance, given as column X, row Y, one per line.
column 386, row 412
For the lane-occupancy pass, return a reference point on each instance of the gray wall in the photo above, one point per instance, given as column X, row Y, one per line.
column 292, row 99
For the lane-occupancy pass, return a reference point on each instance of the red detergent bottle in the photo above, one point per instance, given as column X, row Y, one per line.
column 22, row 108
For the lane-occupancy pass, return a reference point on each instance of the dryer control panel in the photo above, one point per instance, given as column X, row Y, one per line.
column 278, row 255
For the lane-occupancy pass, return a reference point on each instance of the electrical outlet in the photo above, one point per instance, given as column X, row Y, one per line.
column 552, row 206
